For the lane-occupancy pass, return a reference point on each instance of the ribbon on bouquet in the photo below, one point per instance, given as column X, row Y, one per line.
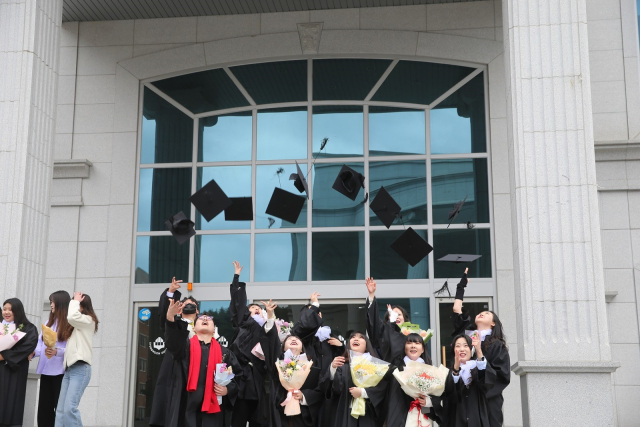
column 422, row 419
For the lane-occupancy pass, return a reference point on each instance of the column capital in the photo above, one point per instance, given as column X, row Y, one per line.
column 521, row 368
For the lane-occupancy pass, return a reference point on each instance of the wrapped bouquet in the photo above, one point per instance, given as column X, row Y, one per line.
column 411, row 328
column 293, row 372
column 224, row 375
column 10, row 335
column 49, row 337
column 419, row 379
column 366, row 371
column 284, row 329
column 257, row 351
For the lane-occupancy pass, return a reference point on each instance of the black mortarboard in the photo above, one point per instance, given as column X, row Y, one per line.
column 458, row 258
column 385, row 207
column 210, row 200
column 241, row 209
column 181, row 227
column 349, row 182
column 300, row 182
column 411, row 247
column 285, row 205
column 457, row 207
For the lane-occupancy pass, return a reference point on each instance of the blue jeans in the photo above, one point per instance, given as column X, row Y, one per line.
column 76, row 378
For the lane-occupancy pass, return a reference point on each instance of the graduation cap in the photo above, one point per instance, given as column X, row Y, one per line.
column 210, row 200
column 349, row 182
column 411, row 247
column 456, row 259
column 457, row 207
column 285, row 205
column 181, row 227
column 241, row 209
column 300, row 182
column 385, row 207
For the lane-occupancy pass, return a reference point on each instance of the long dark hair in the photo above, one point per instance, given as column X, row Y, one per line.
column 405, row 313
column 497, row 333
column 368, row 346
column 416, row 338
column 19, row 316
column 60, row 300
column 87, row 309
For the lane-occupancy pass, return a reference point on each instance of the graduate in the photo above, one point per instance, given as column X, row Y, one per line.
column 385, row 333
column 310, row 395
column 494, row 347
column 194, row 402
column 14, row 364
column 344, row 389
column 252, row 404
column 465, row 396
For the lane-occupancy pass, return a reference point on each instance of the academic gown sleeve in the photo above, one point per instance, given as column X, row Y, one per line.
column 177, row 339
column 20, row 352
column 232, row 388
column 163, row 305
column 308, row 324
column 498, row 372
column 385, row 336
column 238, row 305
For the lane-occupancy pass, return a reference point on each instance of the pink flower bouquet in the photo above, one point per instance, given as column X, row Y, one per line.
column 293, row 372
column 10, row 335
column 224, row 375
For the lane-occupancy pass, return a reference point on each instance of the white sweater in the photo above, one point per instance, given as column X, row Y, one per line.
column 79, row 345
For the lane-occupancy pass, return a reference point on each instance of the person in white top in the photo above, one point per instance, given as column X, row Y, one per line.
column 77, row 360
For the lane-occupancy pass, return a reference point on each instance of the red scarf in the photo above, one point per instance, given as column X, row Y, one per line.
column 210, row 402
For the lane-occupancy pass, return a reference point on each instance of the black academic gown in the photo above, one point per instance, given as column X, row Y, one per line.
column 247, row 334
column 467, row 406
column 311, row 389
column 499, row 377
column 159, row 407
column 385, row 337
column 14, row 370
column 185, row 408
column 374, row 413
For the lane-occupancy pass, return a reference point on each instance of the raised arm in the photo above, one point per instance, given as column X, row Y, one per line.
column 310, row 320
column 176, row 337
column 457, row 304
column 270, row 341
column 374, row 323
column 238, row 293
column 74, row 316
column 171, row 293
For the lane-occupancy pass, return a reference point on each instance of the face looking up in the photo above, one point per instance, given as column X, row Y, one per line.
column 400, row 318
column 294, row 344
column 255, row 309
column 484, row 320
column 357, row 343
column 204, row 325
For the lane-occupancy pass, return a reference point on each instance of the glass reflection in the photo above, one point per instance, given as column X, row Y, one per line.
column 343, row 125
column 159, row 258
column 458, row 124
column 396, row 131
column 331, row 208
column 282, row 134
column 452, row 181
column 163, row 192
column 268, row 177
column 235, row 181
column 406, row 182
column 387, row 264
column 338, row 256
column 281, row 257
column 225, row 138
column 418, row 309
column 476, row 241
column 213, row 256
column 167, row 133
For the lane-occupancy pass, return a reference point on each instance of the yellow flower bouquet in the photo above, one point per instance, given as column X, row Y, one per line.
column 366, row 371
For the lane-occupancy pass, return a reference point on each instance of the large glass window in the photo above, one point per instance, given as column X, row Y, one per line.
column 418, row 129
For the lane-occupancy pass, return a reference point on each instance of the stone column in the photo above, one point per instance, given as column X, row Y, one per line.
column 564, row 358
column 29, row 51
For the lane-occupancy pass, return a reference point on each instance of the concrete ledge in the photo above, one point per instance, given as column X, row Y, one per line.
column 610, row 295
column 72, row 168
column 66, row 201
column 617, row 151
column 525, row 367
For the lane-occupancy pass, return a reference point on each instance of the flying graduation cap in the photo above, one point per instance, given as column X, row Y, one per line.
column 300, row 182
column 181, row 227
column 453, row 213
column 241, row 209
column 455, row 259
column 348, row 182
column 284, row 205
column 210, row 200
column 385, row 207
column 411, row 247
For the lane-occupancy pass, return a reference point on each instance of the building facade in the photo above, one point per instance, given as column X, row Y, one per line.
column 529, row 110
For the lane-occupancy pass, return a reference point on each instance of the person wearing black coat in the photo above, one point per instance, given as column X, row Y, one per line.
column 494, row 348
column 252, row 404
column 193, row 388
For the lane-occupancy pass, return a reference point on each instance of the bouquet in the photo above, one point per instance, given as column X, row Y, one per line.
column 411, row 328
column 366, row 371
column 224, row 375
column 421, row 379
column 49, row 337
column 293, row 372
column 10, row 335
column 284, row 329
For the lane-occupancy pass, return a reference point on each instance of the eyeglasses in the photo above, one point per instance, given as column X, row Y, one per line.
column 205, row 317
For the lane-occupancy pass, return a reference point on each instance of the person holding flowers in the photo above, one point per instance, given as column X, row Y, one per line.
column 20, row 338
column 50, row 350
column 488, row 329
column 195, row 401
column 296, row 396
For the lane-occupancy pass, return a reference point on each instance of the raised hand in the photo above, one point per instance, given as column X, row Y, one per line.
column 175, row 285
column 466, row 270
column 456, row 365
column 174, row 309
column 371, row 287
column 237, row 267
column 270, row 307
column 337, row 362
column 314, row 297
column 477, row 344
column 77, row 296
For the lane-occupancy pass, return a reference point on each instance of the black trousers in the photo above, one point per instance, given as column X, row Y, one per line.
column 242, row 412
column 48, row 399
